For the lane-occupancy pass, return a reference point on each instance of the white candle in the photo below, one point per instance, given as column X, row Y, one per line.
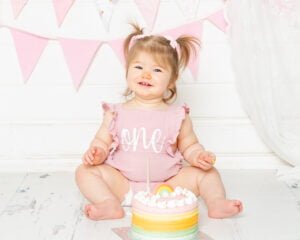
column 148, row 176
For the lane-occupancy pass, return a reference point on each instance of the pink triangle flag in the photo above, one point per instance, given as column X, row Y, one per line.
column 79, row 55
column 218, row 20
column 61, row 9
column 189, row 8
column 149, row 11
column 117, row 46
column 194, row 29
column 29, row 48
column 106, row 10
column 17, row 6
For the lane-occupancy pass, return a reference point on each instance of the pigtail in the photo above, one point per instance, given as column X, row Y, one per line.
column 136, row 31
column 188, row 45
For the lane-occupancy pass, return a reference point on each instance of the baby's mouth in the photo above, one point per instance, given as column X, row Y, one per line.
column 145, row 84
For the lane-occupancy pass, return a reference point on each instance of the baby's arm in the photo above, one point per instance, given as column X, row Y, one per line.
column 191, row 149
column 99, row 147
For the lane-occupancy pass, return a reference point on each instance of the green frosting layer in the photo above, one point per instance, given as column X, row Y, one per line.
column 188, row 234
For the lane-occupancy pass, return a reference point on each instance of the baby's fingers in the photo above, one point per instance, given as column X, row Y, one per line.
column 204, row 165
column 208, row 157
column 88, row 158
column 92, row 150
column 91, row 157
column 211, row 158
column 84, row 160
column 97, row 151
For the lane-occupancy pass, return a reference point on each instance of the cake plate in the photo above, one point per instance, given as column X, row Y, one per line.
column 123, row 233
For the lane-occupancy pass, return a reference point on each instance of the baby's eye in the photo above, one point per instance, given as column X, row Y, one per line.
column 138, row 67
column 157, row 70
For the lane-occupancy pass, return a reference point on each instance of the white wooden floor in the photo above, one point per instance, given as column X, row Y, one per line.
column 40, row 206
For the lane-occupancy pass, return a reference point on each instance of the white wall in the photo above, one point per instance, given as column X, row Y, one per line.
column 47, row 124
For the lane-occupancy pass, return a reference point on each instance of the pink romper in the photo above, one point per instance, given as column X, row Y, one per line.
column 140, row 135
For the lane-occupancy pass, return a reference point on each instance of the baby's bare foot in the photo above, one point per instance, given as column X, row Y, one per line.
column 223, row 208
column 108, row 209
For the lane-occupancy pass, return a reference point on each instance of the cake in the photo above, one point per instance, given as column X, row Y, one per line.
column 166, row 214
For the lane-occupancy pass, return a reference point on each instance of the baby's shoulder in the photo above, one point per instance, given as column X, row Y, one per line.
column 180, row 108
column 110, row 107
column 109, row 111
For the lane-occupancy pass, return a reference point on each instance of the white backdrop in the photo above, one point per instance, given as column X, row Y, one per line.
column 47, row 124
column 265, row 38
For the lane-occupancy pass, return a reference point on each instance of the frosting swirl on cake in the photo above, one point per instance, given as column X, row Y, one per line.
column 178, row 198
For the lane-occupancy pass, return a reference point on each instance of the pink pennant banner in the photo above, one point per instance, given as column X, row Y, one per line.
column 17, row 6
column 62, row 7
column 218, row 20
column 29, row 48
column 194, row 29
column 79, row 55
column 149, row 11
column 117, row 46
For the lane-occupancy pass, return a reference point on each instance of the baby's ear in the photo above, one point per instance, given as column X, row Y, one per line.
column 171, row 85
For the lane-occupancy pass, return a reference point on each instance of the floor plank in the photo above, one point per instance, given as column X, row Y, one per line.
column 46, row 206
column 271, row 210
column 9, row 184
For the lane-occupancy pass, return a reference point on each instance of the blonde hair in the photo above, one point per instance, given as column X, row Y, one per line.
column 166, row 55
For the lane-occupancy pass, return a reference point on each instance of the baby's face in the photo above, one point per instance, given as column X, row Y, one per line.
column 147, row 78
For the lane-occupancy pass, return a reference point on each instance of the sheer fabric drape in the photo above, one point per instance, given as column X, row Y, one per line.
column 265, row 41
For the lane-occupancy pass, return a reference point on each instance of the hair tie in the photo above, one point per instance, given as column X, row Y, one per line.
column 173, row 43
column 140, row 36
column 137, row 37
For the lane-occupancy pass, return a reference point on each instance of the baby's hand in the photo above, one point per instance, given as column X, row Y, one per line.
column 204, row 160
column 94, row 156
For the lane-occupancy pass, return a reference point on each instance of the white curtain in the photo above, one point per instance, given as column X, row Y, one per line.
column 265, row 41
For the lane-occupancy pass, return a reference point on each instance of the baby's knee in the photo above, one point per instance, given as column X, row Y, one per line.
column 84, row 169
column 81, row 168
column 212, row 171
column 80, row 171
column 199, row 174
column 201, row 171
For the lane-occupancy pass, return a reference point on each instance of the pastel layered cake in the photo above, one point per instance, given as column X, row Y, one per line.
column 166, row 214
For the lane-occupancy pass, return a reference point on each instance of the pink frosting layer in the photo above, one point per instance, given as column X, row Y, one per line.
column 142, row 208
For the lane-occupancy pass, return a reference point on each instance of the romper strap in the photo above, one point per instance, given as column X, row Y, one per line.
column 178, row 116
column 110, row 107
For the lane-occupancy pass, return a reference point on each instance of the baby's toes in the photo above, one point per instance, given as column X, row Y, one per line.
column 87, row 210
column 239, row 205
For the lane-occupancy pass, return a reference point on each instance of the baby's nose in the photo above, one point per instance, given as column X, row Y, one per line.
column 147, row 75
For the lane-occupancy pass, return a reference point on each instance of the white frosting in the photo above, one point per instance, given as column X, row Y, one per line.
column 167, row 200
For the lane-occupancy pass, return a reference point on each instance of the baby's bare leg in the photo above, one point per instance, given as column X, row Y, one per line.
column 209, row 186
column 105, row 187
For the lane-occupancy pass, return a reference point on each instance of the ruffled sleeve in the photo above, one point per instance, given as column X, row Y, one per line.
column 178, row 116
column 112, row 127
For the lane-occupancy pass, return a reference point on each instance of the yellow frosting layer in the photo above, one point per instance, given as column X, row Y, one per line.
column 167, row 225
column 166, row 217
